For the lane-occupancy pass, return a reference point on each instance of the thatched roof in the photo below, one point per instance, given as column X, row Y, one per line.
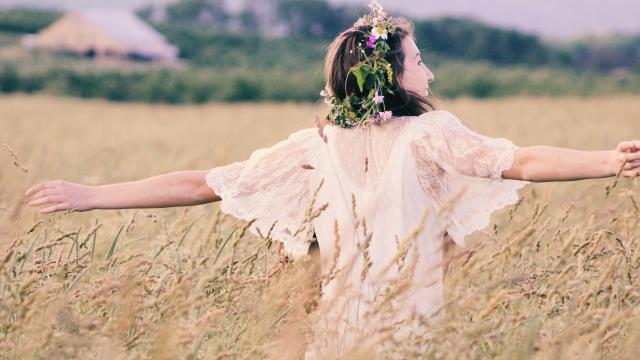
column 106, row 31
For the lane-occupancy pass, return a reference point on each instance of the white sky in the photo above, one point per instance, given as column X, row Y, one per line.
column 548, row 18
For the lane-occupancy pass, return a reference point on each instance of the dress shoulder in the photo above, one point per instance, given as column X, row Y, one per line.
column 273, row 187
column 455, row 163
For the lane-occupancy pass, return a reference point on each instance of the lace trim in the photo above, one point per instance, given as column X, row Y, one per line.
column 505, row 158
column 296, row 246
column 489, row 195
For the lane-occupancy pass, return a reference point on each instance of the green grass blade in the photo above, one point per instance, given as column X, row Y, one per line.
column 113, row 244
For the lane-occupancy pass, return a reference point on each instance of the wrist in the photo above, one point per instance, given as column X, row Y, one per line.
column 615, row 162
column 93, row 197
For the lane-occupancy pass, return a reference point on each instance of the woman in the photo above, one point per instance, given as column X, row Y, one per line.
column 378, row 184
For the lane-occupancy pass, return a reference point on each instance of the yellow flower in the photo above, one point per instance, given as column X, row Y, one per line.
column 389, row 72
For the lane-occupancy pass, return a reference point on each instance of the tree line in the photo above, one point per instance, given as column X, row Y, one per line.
column 236, row 57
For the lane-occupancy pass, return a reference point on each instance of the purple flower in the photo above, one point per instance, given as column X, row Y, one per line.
column 385, row 115
column 375, row 119
column 372, row 42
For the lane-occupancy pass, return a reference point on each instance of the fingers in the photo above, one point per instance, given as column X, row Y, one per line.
column 631, row 168
column 45, row 200
column 40, row 193
column 45, row 193
column 57, row 195
column 632, row 165
column 35, row 189
column 42, row 186
column 624, row 146
column 57, row 207
column 632, row 156
column 629, row 146
column 44, row 196
column 42, row 189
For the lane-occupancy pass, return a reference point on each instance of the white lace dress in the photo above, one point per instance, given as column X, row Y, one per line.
column 383, row 196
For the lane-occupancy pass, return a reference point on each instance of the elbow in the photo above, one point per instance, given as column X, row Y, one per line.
column 521, row 169
column 207, row 195
column 203, row 193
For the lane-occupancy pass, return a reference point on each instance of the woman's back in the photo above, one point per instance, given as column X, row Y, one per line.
column 376, row 197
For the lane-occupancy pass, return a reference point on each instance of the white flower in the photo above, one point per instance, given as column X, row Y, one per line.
column 379, row 32
column 379, row 99
column 326, row 96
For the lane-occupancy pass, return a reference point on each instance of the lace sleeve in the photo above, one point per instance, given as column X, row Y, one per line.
column 458, row 149
column 463, row 169
column 273, row 186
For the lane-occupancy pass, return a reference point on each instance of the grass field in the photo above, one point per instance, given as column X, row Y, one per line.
column 556, row 277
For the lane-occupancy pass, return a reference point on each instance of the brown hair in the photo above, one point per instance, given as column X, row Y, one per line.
column 343, row 54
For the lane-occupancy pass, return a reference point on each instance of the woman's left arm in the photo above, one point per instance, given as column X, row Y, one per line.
column 541, row 163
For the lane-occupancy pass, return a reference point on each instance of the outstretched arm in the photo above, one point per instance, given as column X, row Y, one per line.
column 542, row 163
column 181, row 188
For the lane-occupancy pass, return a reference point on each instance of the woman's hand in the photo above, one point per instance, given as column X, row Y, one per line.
column 627, row 153
column 62, row 195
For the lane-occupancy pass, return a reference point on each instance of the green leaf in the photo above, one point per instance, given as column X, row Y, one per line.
column 361, row 75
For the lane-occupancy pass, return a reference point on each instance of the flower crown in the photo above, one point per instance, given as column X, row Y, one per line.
column 372, row 74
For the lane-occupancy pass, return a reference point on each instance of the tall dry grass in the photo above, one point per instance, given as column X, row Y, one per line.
column 553, row 277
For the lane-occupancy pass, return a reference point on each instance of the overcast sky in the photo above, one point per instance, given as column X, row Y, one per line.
column 548, row 18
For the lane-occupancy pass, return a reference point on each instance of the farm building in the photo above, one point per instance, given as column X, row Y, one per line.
column 104, row 32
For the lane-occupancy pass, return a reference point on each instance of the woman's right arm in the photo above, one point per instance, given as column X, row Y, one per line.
column 180, row 188
column 541, row 163
column 457, row 148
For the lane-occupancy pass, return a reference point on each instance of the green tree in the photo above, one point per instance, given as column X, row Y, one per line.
column 9, row 79
column 210, row 13
column 314, row 18
column 472, row 40
column 21, row 20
